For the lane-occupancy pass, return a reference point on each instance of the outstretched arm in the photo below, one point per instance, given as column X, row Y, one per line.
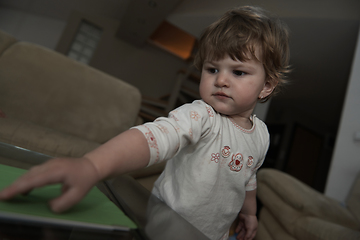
column 124, row 153
column 248, row 223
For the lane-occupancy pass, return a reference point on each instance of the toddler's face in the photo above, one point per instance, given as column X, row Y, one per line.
column 232, row 87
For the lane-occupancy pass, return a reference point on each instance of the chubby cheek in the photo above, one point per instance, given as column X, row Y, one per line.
column 204, row 89
column 247, row 95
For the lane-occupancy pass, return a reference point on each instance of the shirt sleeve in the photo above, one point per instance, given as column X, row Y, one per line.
column 252, row 183
column 184, row 126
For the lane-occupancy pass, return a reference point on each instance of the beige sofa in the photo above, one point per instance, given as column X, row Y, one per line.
column 56, row 106
column 292, row 210
column 60, row 107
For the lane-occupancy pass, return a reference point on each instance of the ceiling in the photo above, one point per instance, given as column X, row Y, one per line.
column 323, row 38
column 326, row 9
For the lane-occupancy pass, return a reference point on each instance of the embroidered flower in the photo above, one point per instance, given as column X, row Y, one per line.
column 215, row 157
column 194, row 115
column 191, row 133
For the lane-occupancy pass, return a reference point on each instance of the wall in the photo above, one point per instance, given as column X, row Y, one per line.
column 149, row 68
column 32, row 28
column 346, row 159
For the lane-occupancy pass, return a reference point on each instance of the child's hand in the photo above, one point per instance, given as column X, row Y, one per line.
column 77, row 177
column 246, row 229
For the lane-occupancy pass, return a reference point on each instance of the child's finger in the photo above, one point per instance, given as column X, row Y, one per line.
column 69, row 197
column 241, row 234
column 5, row 194
column 20, row 186
column 250, row 234
column 239, row 227
column 36, row 177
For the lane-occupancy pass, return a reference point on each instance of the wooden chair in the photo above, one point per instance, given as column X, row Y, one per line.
column 185, row 90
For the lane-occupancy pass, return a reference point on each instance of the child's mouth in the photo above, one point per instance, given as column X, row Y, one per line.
column 221, row 95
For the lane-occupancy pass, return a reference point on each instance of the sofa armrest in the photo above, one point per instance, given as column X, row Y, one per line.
column 305, row 199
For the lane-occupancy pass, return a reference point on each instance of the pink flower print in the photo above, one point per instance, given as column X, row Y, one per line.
column 194, row 115
column 173, row 117
column 215, row 157
column 225, row 152
column 210, row 112
column 163, row 129
column 250, row 161
column 177, row 129
column 236, row 163
column 191, row 133
column 151, row 139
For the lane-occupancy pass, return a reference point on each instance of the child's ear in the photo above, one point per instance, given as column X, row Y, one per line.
column 269, row 87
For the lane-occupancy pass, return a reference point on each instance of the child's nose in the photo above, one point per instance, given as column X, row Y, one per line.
column 221, row 80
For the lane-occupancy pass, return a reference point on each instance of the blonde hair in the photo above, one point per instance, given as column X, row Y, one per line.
column 239, row 32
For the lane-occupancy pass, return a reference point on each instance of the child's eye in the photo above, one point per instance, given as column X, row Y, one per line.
column 239, row 73
column 212, row 70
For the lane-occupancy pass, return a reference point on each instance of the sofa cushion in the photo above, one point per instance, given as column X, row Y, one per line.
column 46, row 88
column 43, row 140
